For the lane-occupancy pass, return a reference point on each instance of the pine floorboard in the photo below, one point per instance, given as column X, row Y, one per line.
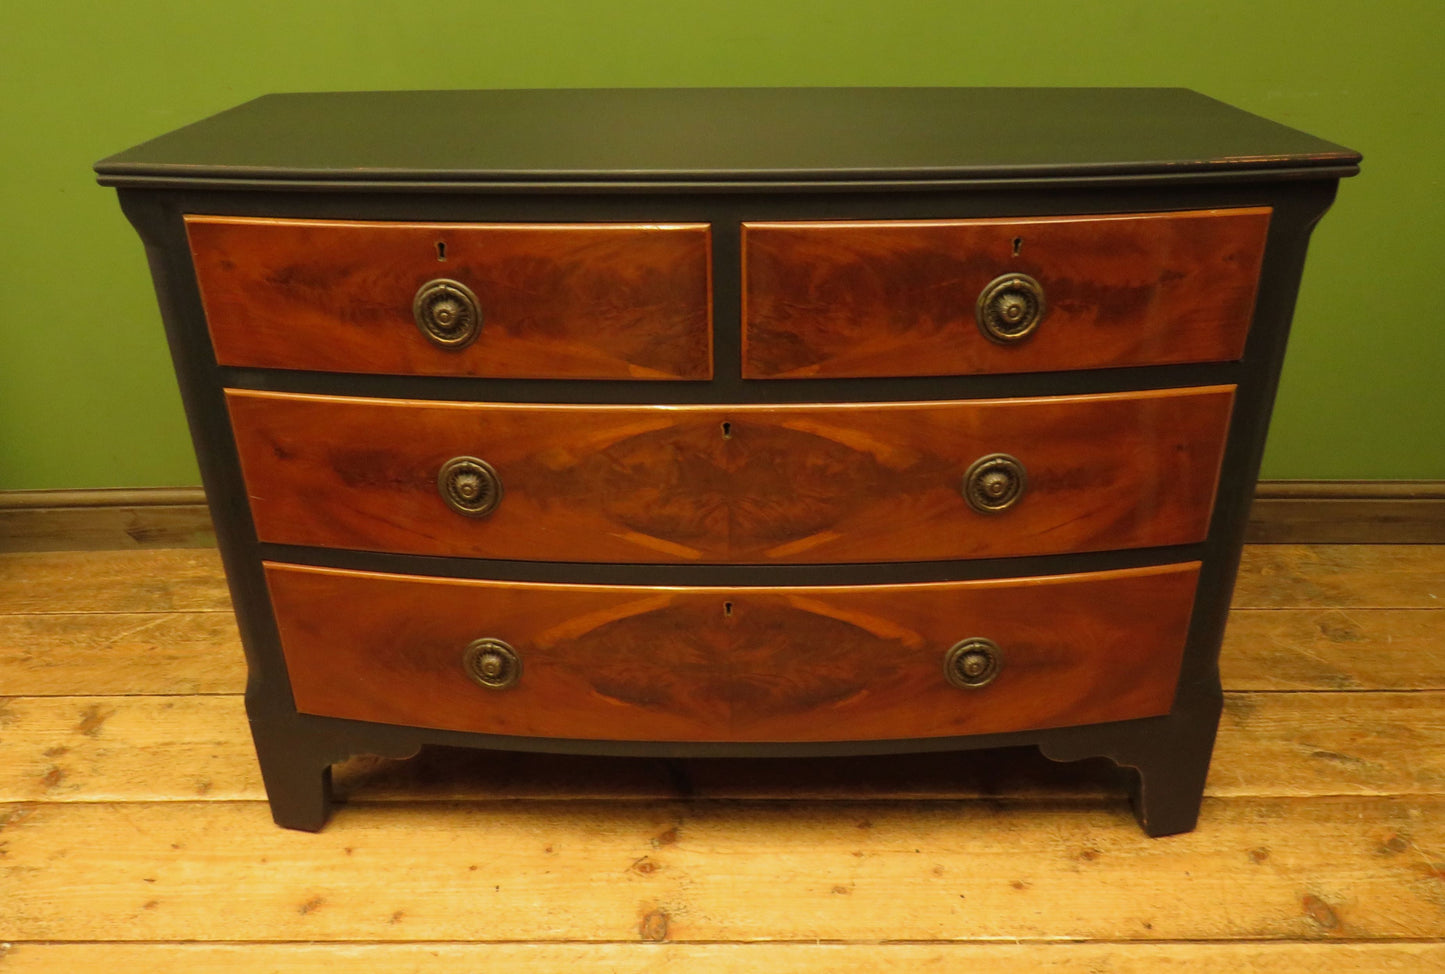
column 1025, row 958
column 134, row 834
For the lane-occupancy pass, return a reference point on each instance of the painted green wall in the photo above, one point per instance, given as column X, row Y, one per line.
column 86, row 394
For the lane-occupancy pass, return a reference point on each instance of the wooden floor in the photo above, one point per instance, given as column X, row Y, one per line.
column 134, row 835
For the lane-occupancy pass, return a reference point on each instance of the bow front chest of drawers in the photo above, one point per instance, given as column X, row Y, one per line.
column 743, row 422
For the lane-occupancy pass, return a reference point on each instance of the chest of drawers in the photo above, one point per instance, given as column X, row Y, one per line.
column 746, row 422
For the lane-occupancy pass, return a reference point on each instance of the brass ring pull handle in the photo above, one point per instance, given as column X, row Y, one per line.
column 447, row 313
column 994, row 483
column 1010, row 308
column 972, row 663
column 469, row 486
column 491, row 663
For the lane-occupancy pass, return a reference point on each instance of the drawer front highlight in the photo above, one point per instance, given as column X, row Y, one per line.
column 742, row 484
column 535, row 301
column 828, row 300
column 733, row 664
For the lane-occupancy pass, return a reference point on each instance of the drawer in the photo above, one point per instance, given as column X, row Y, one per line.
column 741, row 484
column 734, row 664
column 826, row 300
column 547, row 301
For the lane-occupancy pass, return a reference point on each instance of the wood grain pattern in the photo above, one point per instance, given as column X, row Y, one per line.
column 761, row 958
column 181, row 747
column 1278, row 869
column 748, row 484
column 1330, row 744
column 120, row 652
column 199, row 652
column 107, row 581
column 1348, row 512
column 1377, row 512
column 66, row 618
column 125, row 846
column 106, row 528
column 189, row 748
column 734, row 664
column 1334, row 649
column 897, row 298
column 102, row 518
column 599, row 301
column 1341, row 576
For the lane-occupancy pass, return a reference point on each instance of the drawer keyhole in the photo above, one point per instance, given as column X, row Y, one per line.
column 442, row 249
column 727, row 431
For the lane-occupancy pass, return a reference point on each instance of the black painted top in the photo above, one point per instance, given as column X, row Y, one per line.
column 723, row 135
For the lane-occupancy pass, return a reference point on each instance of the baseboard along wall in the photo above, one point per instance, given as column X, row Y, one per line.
column 1284, row 512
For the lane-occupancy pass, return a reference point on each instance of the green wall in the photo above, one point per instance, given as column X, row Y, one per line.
column 86, row 394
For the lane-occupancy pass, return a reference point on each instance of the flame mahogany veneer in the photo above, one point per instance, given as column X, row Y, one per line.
column 739, row 351
column 887, row 298
column 737, row 484
column 805, row 663
column 558, row 301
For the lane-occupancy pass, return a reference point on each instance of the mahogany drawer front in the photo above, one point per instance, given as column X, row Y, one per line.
column 816, row 483
column 828, row 300
column 578, row 301
column 734, row 664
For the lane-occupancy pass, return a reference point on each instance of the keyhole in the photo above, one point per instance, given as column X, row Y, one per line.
column 727, row 608
column 727, row 429
column 1018, row 245
column 442, row 250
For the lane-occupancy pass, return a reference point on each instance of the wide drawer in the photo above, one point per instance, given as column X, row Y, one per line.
column 742, row 484
column 596, row 301
column 734, row 664
column 881, row 298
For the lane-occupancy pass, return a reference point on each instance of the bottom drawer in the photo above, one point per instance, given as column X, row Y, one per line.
column 634, row 663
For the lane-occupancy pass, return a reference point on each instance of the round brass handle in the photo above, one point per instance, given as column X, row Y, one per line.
column 491, row 663
column 447, row 313
column 972, row 663
column 1010, row 308
column 469, row 486
column 994, row 483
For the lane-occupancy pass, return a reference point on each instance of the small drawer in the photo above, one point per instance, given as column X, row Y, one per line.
column 957, row 297
column 733, row 484
column 598, row 662
column 556, row 301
